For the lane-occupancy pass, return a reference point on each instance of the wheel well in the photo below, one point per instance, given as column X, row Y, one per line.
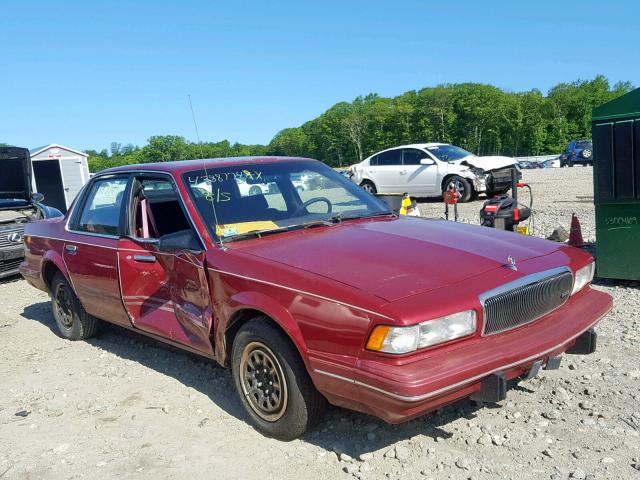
column 48, row 272
column 238, row 320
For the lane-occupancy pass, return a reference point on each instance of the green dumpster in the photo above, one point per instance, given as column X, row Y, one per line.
column 616, row 177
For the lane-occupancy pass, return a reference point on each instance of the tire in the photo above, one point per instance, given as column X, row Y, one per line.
column 72, row 320
column 368, row 186
column 462, row 186
column 298, row 407
column 255, row 190
column 586, row 153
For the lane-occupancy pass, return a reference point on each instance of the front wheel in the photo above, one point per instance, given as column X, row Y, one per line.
column 73, row 322
column 272, row 382
column 461, row 185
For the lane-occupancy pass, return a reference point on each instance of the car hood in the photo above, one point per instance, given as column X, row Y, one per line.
column 15, row 181
column 489, row 162
column 392, row 259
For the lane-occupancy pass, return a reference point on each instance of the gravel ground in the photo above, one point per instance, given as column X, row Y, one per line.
column 123, row 406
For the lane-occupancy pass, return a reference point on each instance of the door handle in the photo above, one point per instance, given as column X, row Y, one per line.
column 71, row 249
column 144, row 258
column 403, row 172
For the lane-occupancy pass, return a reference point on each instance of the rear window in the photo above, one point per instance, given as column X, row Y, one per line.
column 101, row 210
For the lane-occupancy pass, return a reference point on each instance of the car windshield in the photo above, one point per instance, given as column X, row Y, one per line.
column 254, row 199
column 448, row 153
column 583, row 144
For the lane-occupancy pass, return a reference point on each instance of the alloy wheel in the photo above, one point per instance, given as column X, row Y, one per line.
column 263, row 382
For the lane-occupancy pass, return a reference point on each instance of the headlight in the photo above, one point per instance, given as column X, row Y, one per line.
column 408, row 339
column 583, row 277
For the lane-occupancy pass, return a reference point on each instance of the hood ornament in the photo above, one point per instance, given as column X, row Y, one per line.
column 511, row 263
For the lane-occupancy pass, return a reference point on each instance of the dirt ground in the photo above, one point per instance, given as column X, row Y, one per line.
column 123, row 406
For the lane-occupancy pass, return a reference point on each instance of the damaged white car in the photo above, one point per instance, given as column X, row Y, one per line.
column 429, row 169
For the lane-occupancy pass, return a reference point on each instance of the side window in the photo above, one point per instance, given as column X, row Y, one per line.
column 392, row 157
column 101, row 210
column 156, row 209
column 412, row 156
column 373, row 161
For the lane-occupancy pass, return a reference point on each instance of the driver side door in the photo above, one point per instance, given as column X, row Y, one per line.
column 165, row 293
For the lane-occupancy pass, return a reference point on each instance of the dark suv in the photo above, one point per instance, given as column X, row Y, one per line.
column 578, row 152
column 18, row 205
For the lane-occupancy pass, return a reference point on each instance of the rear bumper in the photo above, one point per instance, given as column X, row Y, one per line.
column 398, row 393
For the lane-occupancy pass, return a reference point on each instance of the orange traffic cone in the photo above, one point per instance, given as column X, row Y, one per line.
column 575, row 234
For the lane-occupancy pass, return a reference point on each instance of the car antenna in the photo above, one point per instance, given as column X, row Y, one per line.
column 206, row 173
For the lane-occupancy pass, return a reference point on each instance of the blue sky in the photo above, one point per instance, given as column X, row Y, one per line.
column 87, row 73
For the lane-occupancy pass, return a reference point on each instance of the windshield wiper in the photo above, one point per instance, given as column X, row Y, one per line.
column 365, row 215
column 269, row 231
column 255, row 234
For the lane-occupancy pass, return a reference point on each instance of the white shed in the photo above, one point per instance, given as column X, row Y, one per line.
column 59, row 173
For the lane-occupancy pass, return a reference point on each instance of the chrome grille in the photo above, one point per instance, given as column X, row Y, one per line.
column 529, row 298
column 6, row 231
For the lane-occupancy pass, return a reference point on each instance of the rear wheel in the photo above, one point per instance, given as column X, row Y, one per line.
column 368, row 186
column 461, row 185
column 73, row 322
column 272, row 382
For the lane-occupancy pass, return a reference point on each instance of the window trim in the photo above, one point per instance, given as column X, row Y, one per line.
column 74, row 218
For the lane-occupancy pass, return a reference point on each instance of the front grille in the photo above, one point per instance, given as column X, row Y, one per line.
column 5, row 232
column 526, row 302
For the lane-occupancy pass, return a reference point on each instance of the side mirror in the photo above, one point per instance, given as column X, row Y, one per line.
column 182, row 240
column 426, row 161
column 37, row 197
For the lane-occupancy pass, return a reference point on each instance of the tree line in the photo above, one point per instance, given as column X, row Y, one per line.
column 481, row 118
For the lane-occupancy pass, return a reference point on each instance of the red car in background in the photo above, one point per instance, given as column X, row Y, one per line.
column 312, row 295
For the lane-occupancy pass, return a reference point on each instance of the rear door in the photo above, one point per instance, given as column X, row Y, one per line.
column 388, row 173
column 165, row 293
column 91, row 248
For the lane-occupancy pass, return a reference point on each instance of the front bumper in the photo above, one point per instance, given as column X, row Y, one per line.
column 398, row 393
column 10, row 259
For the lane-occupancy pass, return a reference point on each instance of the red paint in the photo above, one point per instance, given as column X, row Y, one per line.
column 327, row 288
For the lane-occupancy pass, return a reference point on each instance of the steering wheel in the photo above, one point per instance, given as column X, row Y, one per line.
column 311, row 201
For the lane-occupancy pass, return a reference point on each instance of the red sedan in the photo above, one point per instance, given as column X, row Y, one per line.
column 310, row 289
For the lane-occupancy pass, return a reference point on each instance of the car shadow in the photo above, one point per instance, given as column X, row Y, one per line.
column 334, row 433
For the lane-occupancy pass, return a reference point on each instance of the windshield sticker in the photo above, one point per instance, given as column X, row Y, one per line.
column 244, row 227
column 227, row 231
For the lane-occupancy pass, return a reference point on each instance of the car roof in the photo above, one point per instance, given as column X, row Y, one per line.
column 180, row 166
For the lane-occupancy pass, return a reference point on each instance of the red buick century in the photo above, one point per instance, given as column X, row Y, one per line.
column 310, row 289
